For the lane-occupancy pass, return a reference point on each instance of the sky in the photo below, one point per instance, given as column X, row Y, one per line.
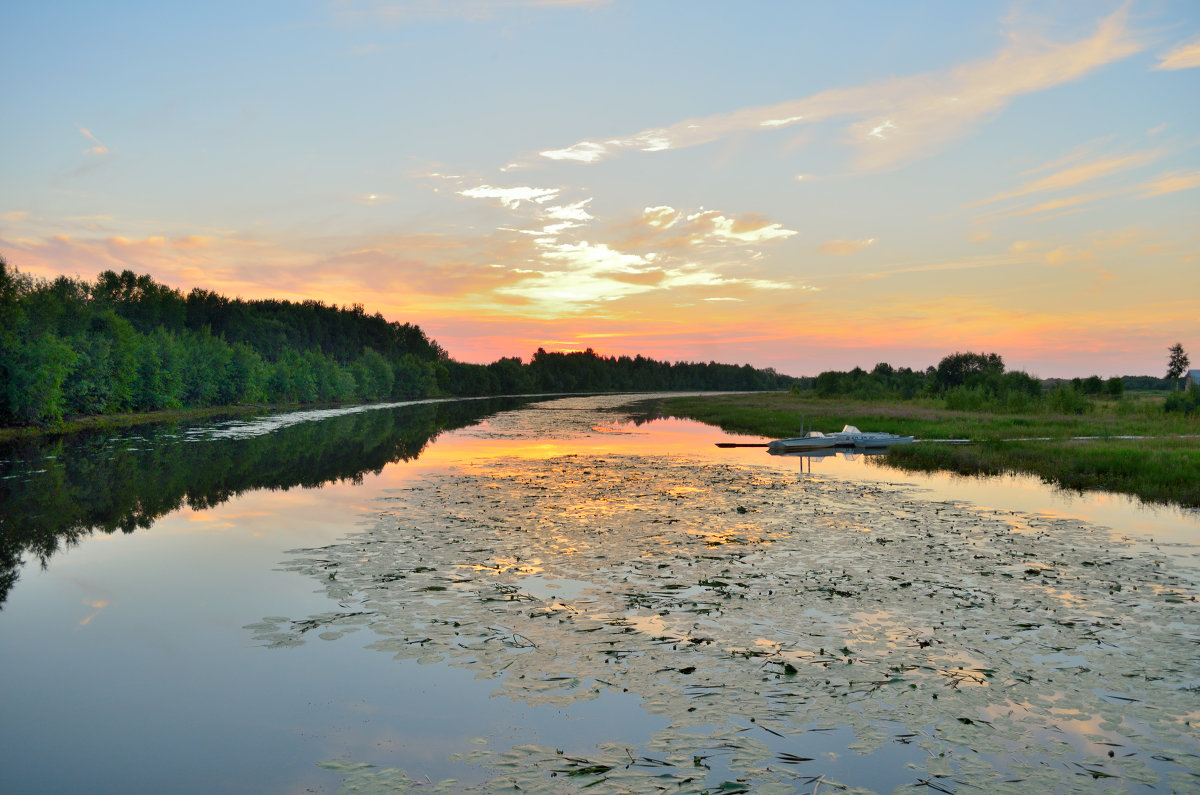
column 798, row 185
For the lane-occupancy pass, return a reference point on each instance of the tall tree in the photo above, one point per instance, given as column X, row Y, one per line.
column 1178, row 362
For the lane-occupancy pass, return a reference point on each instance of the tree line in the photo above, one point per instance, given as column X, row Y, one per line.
column 126, row 343
column 978, row 381
column 587, row 371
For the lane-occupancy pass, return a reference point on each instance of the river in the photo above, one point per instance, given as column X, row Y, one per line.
column 559, row 595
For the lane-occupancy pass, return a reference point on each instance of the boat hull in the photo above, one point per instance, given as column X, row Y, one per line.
column 849, row 437
column 802, row 443
column 874, row 440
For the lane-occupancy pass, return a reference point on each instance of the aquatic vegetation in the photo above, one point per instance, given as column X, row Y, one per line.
column 760, row 613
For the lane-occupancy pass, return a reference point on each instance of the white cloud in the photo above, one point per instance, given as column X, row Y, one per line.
column 511, row 197
column 1185, row 56
column 580, row 275
column 661, row 217
column 742, row 232
column 656, row 140
column 582, row 152
column 1170, row 183
column 711, row 227
column 570, row 212
column 693, row 276
column 777, row 123
column 1076, row 174
column 900, row 118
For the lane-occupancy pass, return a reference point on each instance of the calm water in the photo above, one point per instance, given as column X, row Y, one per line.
column 377, row 598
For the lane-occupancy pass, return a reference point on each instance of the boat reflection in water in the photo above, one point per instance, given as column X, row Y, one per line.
column 825, row 454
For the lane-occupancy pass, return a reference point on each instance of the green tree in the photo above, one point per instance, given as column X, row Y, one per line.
column 376, row 376
column 968, row 369
column 35, row 379
column 1092, row 385
column 158, row 372
column 243, row 380
column 13, row 286
column 205, row 361
column 1177, row 363
column 89, row 386
column 416, row 378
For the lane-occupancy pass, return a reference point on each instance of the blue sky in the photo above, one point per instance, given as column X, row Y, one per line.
column 798, row 185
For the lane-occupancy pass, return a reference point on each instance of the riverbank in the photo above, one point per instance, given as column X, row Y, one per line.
column 113, row 422
column 1131, row 446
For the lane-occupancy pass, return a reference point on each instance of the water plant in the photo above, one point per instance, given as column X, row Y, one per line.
column 769, row 618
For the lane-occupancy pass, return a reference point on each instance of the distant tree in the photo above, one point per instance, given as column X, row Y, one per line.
column 511, row 376
column 968, row 369
column 1092, row 385
column 1178, row 362
column 1115, row 387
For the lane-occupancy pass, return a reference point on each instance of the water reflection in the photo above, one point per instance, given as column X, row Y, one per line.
column 751, row 609
column 654, row 572
column 55, row 492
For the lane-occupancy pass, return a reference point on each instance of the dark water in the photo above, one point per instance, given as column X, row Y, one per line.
column 379, row 600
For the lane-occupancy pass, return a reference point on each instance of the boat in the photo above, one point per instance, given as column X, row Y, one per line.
column 813, row 440
column 850, row 436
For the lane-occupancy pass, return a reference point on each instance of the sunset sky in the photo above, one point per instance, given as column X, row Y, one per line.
column 797, row 185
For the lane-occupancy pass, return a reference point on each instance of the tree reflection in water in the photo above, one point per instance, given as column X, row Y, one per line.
column 55, row 492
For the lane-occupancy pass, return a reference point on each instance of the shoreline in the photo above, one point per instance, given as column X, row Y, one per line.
column 112, row 422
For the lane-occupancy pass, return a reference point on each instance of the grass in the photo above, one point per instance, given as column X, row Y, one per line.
column 1163, row 468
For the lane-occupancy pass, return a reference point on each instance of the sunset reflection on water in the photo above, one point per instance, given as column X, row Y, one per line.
column 572, row 562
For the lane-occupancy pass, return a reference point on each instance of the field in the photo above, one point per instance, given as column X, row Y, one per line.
column 1160, row 464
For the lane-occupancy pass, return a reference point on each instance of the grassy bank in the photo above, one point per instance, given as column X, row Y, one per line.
column 1162, row 469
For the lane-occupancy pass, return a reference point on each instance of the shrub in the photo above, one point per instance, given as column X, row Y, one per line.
column 1184, row 402
column 1068, row 401
column 966, row 398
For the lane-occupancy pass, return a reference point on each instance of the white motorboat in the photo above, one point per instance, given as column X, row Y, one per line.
column 850, row 436
column 813, row 440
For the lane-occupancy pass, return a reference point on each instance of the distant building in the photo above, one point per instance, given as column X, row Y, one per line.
column 1193, row 376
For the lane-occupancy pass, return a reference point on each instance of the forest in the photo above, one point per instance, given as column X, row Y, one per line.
column 126, row 343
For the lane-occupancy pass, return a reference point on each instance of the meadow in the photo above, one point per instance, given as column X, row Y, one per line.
column 1131, row 445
